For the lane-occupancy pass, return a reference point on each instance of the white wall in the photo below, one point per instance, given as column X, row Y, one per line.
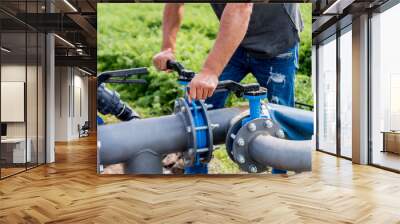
column 33, row 126
column 61, row 103
column 14, row 73
column 80, row 110
column 71, row 102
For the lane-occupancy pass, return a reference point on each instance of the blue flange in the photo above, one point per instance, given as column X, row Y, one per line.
column 201, row 128
column 202, row 139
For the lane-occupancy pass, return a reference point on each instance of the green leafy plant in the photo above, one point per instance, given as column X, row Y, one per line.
column 130, row 34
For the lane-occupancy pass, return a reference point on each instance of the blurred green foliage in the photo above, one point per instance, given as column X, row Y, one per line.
column 130, row 34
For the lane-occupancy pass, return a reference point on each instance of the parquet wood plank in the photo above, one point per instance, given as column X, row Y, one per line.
column 70, row 191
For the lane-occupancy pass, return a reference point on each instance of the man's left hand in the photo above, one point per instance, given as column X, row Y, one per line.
column 203, row 86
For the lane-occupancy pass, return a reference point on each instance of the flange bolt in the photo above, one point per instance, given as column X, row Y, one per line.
column 253, row 169
column 191, row 152
column 209, row 106
column 240, row 159
column 187, row 162
column 280, row 133
column 240, row 142
column 269, row 124
column 252, row 127
column 214, row 126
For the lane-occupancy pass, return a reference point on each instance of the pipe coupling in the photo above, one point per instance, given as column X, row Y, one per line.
column 239, row 138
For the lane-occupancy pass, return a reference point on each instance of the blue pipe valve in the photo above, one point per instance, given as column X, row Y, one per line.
column 252, row 92
column 254, row 106
column 254, row 98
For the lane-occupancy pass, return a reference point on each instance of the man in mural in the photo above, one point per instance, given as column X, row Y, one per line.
column 261, row 39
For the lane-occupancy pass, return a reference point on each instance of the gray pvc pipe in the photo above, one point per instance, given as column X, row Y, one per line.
column 280, row 153
column 222, row 117
column 122, row 142
column 140, row 163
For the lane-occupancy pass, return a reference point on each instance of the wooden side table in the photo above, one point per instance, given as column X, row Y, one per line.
column 391, row 141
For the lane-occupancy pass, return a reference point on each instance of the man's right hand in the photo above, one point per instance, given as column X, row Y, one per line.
column 160, row 59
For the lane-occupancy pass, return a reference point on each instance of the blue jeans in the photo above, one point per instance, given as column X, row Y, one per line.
column 276, row 74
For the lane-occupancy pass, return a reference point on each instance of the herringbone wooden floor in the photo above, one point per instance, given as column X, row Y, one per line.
column 70, row 191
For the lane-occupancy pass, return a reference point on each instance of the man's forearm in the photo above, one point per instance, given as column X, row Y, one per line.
column 173, row 14
column 233, row 27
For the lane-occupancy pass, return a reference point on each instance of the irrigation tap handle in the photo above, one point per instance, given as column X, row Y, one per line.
column 122, row 76
column 240, row 89
column 185, row 75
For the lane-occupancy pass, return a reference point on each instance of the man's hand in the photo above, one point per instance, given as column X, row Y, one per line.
column 203, row 85
column 160, row 59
